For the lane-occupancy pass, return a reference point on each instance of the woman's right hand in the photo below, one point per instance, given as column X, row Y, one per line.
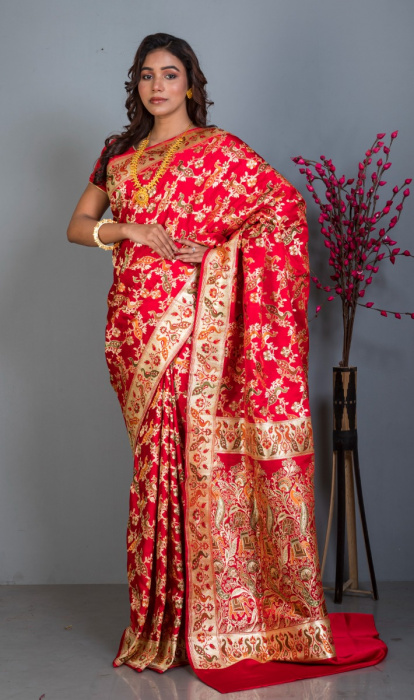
column 153, row 235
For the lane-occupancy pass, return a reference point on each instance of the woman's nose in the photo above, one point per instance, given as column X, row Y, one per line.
column 157, row 85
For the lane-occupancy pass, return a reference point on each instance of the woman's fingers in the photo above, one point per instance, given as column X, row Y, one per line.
column 159, row 240
column 191, row 252
column 156, row 237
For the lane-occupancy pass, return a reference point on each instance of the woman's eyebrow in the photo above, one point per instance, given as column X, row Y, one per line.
column 163, row 68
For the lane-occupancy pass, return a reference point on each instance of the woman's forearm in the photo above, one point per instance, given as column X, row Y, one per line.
column 80, row 230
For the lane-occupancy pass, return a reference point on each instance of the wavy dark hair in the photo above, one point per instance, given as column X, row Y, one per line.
column 141, row 121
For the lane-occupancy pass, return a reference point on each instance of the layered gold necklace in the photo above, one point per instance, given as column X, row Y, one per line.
column 144, row 192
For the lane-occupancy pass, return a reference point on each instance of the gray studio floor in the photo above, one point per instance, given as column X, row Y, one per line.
column 57, row 643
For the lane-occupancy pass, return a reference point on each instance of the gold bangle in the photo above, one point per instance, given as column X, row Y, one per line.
column 96, row 234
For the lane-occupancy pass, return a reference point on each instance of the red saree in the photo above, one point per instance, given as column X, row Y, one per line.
column 210, row 368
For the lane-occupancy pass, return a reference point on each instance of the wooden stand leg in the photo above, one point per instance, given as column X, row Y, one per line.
column 364, row 525
column 330, row 516
column 351, row 535
column 340, row 537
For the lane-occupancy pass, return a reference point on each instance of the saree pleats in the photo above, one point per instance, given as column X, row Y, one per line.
column 155, row 557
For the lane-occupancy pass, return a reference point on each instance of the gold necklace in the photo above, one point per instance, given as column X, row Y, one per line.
column 144, row 192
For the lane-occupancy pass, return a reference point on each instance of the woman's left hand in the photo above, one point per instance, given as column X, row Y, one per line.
column 191, row 252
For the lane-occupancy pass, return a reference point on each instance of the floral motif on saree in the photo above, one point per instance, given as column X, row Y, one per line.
column 210, row 368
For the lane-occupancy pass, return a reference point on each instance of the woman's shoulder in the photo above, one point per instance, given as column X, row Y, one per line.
column 233, row 144
column 221, row 135
column 242, row 155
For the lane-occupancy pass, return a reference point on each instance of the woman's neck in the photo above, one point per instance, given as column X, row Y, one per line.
column 163, row 130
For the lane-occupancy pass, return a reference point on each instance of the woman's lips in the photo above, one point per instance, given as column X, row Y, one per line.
column 157, row 100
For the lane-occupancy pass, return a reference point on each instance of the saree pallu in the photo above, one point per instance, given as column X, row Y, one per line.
column 210, row 368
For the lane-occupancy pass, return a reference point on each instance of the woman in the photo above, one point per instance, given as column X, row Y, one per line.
column 207, row 348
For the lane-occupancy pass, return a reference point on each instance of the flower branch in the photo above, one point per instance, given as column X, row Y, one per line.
column 356, row 228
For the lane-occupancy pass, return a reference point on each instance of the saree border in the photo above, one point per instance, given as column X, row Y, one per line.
column 207, row 647
column 265, row 441
column 169, row 335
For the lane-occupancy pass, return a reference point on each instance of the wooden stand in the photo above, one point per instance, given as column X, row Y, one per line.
column 345, row 470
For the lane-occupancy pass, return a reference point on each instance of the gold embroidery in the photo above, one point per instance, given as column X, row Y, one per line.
column 274, row 440
column 170, row 334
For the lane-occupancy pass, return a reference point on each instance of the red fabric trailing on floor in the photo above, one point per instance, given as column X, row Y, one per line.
column 357, row 645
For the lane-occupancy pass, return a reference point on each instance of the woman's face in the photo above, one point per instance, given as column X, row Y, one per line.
column 163, row 84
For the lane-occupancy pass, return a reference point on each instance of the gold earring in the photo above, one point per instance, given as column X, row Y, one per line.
column 190, row 93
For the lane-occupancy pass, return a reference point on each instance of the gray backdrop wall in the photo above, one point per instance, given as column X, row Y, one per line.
column 287, row 76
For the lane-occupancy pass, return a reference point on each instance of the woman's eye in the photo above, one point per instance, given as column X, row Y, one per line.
column 145, row 76
column 170, row 75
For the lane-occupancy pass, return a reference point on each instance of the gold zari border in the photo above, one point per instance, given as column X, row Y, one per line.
column 264, row 441
column 296, row 643
column 168, row 337
column 211, row 321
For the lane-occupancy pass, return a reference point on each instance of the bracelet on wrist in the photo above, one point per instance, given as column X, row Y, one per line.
column 95, row 234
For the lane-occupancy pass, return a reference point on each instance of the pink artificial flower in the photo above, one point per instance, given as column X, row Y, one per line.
column 395, row 189
column 406, row 252
column 369, row 280
column 318, row 308
column 380, row 136
column 369, row 304
column 384, row 313
column 331, row 298
column 387, row 165
column 382, row 183
column 394, row 134
column 406, row 192
column 397, row 315
column 408, row 181
column 379, row 162
column 361, row 293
